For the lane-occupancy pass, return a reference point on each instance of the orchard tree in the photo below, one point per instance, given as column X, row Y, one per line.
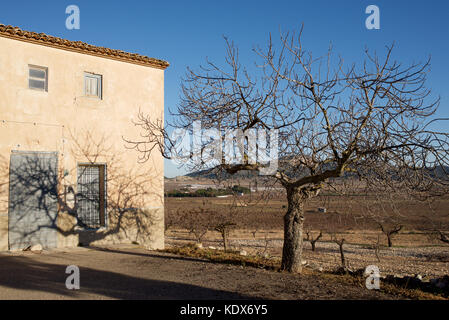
column 373, row 119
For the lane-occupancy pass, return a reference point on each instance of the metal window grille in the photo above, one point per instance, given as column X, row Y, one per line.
column 91, row 195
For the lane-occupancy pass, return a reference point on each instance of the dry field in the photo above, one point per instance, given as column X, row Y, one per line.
column 258, row 231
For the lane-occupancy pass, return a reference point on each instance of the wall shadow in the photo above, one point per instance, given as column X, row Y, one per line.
column 21, row 272
column 56, row 206
column 150, row 255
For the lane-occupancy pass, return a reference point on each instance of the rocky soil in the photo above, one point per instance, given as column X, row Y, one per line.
column 428, row 261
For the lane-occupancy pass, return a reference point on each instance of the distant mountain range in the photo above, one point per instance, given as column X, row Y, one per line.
column 441, row 172
column 215, row 173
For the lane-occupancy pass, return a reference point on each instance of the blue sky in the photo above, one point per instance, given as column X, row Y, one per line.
column 186, row 32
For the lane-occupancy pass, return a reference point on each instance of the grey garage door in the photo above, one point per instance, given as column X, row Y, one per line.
column 33, row 199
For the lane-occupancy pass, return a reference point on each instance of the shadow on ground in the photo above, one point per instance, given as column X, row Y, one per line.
column 27, row 274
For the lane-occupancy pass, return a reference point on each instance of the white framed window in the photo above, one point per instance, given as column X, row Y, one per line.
column 38, row 78
column 93, row 85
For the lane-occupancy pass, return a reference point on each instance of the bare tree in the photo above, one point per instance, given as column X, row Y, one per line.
column 390, row 231
column 376, row 247
column 375, row 120
column 224, row 220
column 172, row 219
column 340, row 242
column 196, row 221
column 254, row 231
column 223, row 228
column 199, row 221
column 436, row 227
column 311, row 239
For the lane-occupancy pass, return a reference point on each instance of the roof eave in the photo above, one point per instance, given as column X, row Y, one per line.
column 18, row 34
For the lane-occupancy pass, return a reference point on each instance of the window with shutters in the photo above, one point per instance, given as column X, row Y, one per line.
column 93, row 85
column 38, row 78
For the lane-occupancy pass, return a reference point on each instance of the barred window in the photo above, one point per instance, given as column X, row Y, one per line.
column 91, row 196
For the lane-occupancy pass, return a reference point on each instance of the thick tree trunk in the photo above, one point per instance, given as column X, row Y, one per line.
column 293, row 231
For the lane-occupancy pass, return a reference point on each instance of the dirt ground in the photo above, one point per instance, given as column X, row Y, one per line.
column 129, row 272
column 408, row 257
column 258, row 229
column 344, row 213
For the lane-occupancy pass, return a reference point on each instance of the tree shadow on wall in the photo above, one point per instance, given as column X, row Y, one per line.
column 43, row 201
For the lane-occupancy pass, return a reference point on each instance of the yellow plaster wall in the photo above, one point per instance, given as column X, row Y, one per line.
column 60, row 119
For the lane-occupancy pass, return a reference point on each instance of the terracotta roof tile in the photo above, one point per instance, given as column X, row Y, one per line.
column 79, row 46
